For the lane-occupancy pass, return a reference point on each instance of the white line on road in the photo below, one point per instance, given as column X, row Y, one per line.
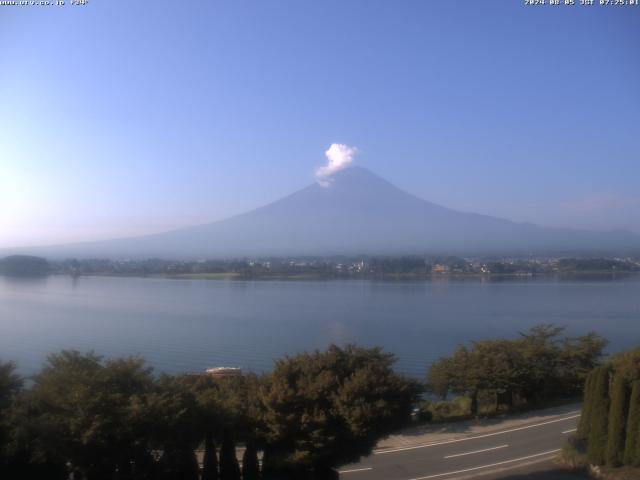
column 487, row 466
column 476, row 451
column 401, row 449
column 571, row 431
column 356, row 470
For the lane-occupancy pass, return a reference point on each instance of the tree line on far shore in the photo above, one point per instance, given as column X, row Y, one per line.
column 405, row 266
column 114, row 419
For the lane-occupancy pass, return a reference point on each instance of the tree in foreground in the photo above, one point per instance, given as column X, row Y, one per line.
column 538, row 366
column 250, row 464
column 229, row 468
column 228, row 405
column 78, row 412
column 173, row 420
column 587, row 404
column 10, row 386
column 329, row 408
column 598, row 427
column 610, row 421
column 210, row 460
column 459, row 374
column 617, row 421
column 19, row 455
column 632, row 444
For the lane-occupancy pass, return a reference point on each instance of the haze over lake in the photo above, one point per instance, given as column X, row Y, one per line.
column 189, row 325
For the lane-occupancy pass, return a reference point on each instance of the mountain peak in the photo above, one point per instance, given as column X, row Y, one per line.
column 354, row 212
column 356, row 177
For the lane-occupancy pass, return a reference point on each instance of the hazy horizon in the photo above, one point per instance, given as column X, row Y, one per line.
column 168, row 117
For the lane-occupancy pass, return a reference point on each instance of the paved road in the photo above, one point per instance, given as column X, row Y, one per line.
column 469, row 456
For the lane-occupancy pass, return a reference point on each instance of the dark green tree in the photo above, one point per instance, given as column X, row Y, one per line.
column 540, row 348
column 78, row 411
column 587, row 406
column 230, row 403
column 540, row 365
column 627, row 364
column 499, row 365
column 578, row 356
column 329, row 408
column 210, row 460
column 599, row 421
column 229, row 468
column 459, row 374
column 618, row 413
column 178, row 463
column 440, row 377
column 19, row 456
column 10, row 385
column 632, row 444
column 172, row 417
column 250, row 464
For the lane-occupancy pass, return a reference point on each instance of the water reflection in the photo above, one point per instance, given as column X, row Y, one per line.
column 189, row 325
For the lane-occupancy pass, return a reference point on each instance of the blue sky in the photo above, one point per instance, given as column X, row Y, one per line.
column 125, row 117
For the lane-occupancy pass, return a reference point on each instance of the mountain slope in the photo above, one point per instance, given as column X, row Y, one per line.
column 358, row 213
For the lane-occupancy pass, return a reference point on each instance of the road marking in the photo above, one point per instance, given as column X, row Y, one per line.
column 401, row 449
column 476, row 451
column 487, row 466
column 355, row 470
column 571, row 431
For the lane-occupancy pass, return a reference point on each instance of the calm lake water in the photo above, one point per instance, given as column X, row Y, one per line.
column 189, row 325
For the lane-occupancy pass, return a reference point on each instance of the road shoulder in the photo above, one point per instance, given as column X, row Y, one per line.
column 443, row 432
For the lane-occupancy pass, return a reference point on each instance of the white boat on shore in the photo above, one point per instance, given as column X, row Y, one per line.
column 224, row 371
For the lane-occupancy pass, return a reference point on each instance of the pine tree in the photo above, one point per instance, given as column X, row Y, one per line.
column 229, row 468
column 598, row 421
column 180, row 463
column 250, row 465
column 269, row 463
column 585, row 418
column 210, row 460
column 618, row 413
column 632, row 445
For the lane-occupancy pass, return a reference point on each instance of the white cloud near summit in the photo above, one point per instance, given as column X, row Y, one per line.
column 339, row 156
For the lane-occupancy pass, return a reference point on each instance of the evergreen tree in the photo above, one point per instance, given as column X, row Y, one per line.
column 179, row 464
column 598, row 423
column 632, row 444
column 250, row 465
column 210, row 460
column 229, row 468
column 269, row 464
column 587, row 406
column 617, row 420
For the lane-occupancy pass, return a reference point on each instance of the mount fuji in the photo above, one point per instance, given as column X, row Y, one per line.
column 354, row 212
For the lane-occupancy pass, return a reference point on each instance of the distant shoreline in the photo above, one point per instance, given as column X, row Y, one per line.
column 227, row 276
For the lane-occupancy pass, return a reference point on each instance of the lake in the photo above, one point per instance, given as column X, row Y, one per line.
column 189, row 325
